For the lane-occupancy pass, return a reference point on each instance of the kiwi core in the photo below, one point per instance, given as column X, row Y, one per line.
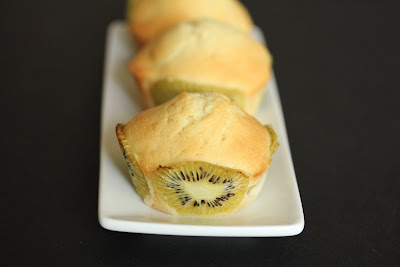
column 208, row 191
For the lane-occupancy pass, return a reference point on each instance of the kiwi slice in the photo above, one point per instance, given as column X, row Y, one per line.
column 137, row 177
column 135, row 172
column 164, row 90
column 200, row 188
column 274, row 142
column 129, row 7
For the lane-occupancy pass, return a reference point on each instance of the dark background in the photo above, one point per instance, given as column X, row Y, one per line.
column 337, row 67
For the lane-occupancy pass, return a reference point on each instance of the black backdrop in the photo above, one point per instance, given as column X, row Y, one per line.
column 337, row 67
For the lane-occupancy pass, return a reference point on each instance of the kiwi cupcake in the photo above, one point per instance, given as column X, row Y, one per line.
column 204, row 55
column 149, row 18
column 198, row 154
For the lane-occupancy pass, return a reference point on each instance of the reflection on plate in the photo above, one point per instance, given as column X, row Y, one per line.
column 276, row 212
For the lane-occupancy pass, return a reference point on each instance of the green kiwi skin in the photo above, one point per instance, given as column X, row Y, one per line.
column 164, row 90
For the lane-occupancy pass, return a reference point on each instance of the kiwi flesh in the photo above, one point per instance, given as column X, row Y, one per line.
column 164, row 90
column 200, row 188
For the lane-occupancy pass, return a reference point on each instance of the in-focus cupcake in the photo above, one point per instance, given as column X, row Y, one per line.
column 197, row 154
column 204, row 55
column 149, row 18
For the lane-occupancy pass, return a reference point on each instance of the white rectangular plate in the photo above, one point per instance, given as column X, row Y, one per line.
column 276, row 212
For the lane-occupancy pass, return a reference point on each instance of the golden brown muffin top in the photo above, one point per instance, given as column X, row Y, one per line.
column 204, row 127
column 150, row 18
column 205, row 52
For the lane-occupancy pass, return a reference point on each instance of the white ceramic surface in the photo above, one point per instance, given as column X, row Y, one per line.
column 276, row 212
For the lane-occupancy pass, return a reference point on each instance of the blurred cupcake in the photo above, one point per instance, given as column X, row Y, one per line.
column 199, row 56
column 149, row 18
